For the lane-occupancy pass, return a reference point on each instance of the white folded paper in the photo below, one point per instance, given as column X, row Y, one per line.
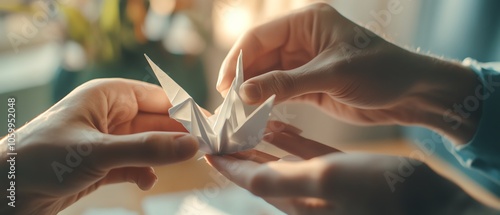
column 228, row 131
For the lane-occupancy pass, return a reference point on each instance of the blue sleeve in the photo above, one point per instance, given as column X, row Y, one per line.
column 482, row 153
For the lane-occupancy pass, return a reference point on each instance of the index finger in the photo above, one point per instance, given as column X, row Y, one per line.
column 133, row 95
column 150, row 97
column 258, row 45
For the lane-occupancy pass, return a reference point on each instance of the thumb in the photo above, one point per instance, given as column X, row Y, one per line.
column 286, row 84
column 145, row 149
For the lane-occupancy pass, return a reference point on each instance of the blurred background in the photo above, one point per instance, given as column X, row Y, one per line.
column 47, row 48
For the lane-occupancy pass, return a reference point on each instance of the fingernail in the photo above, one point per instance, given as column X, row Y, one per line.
column 250, row 93
column 145, row 183
column 156, row 181
column 208, row 158
column 219, row 78
column 185, row 145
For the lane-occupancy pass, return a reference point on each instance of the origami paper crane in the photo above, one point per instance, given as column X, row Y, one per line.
column 228, row 131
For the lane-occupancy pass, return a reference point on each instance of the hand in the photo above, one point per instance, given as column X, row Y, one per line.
column 105, row 131
column 316, row 55
column 331, row 182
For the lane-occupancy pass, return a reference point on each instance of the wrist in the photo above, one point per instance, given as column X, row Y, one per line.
column 447, row 98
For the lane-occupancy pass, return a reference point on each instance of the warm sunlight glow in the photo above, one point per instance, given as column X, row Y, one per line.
column 231, row 23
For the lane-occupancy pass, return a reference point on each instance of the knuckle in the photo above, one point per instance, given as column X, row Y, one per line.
column 253, row 37
column 322, row 6
column 319, row 8
column 99, row 83
column 95, row 83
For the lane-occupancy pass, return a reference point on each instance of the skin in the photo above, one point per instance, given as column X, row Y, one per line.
column 302, row 57
column 315, row 55
column 326, row 181
column 119, row 128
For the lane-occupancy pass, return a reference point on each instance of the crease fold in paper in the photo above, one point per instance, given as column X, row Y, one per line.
column 228, row 131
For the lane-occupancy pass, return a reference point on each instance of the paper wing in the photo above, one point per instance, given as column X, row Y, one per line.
column 185, row 110
column 250, row 133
